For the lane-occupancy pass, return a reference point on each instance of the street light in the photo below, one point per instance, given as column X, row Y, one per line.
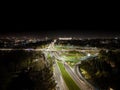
column 88, row 54
column 35, row 60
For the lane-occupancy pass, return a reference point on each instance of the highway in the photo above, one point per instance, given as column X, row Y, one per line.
column 76, row 69
column 61, row 85
column 78, row 81
column 55, row 54
column 82, row 78
column 74, row 76
column 48, row 49
column 82, row 85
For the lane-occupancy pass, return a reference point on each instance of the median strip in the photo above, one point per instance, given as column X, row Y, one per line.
column 68, row 80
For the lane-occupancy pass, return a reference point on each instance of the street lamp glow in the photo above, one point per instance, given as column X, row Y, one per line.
column 88, row 54
column 35, row 60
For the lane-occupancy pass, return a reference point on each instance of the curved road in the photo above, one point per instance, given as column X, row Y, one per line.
column 78, row 81
column 82, row 85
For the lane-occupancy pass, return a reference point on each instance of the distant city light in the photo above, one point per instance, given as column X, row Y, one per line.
column 69, row 38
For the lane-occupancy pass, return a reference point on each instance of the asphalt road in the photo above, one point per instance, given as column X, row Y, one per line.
column 82, row 85
column 78, row 81
column 61, row 85
column 57, row 74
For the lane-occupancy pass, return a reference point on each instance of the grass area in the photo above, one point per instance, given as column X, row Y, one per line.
column 68, row 80
column 72, row 59
column 59, row 47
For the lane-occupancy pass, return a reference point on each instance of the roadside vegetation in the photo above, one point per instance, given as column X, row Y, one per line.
column 103, row 71
column 72, row 57
column 25, row 70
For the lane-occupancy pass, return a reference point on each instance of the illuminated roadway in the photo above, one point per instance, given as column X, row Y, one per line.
column 81, row 84
column 77, row 80
column 61, row 85
column 31, row 49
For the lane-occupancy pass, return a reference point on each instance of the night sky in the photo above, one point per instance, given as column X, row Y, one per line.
column 61, row 30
